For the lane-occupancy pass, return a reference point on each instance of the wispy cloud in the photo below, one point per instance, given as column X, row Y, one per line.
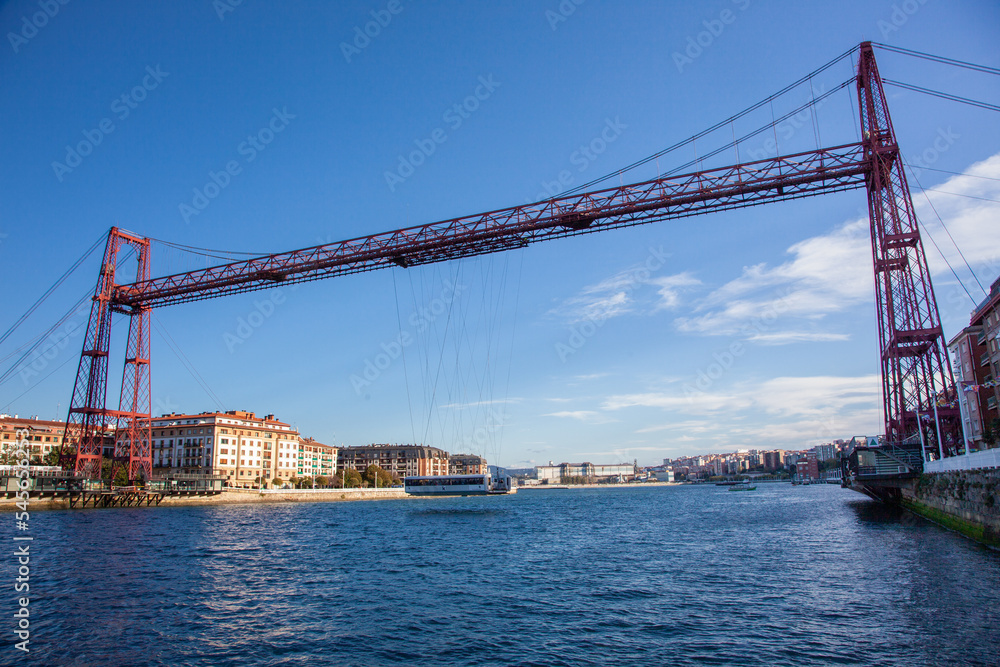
column 669, row 289
column 826, row 274
column 476, row 404
column 789, row 412
column 782, row 396
column 971, row 217
column 829, row 273
column 628, row 291
column 585, row 416
column 582, row 415
column 591, row 376
column 786, row 337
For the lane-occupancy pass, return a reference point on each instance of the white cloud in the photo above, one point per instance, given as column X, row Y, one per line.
column 971, row 222
column 620, row 455
column 689, row 426
column 786, row 411
column 668, row 287
column 621, row 294
column 817, row 395
column 825, row 275
column 582, row 415
column 782, row 396
column 785, row 337
column 476, row 404
column 829, row 273
column 585, row 416
column 591, row 376
column 694, row 402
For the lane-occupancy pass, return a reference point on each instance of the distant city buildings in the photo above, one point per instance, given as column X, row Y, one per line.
column 554, row 474
column 826, row 452
column 819, row 462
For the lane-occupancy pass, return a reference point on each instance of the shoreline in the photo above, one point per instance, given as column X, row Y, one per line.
column 281, row 496
column 564, row 487
column 234, row 497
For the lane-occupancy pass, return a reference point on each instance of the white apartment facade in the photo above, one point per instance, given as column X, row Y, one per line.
column 245, row 448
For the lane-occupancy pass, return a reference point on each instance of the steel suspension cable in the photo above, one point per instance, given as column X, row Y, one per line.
column 53, row 288
column 945, row 227
column 941, row 59
column 944, row 96
column 718, row 125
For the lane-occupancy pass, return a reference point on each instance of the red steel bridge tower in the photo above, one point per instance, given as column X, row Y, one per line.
column 916, row 371
column 89, row 420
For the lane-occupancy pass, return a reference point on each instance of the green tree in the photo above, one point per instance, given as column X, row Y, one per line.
column 276, row 483
column 9, row 454
column 385, row 478
column 352, row 478
column 120, row 475
column 322, row 481
column 376, row 476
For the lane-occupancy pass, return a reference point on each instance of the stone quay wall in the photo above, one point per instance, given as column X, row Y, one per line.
column 967, row 501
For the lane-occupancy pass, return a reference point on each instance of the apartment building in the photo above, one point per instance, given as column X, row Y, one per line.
column 238, row 444
column 967, row 349
column 467, row 464
column 316, row 459
column 975, row 354
column 401, row 460
column 43, row 435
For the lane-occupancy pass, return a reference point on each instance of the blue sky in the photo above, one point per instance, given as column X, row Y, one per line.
column 751, row 328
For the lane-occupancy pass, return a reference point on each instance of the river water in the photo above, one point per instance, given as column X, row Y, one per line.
column 659, row 575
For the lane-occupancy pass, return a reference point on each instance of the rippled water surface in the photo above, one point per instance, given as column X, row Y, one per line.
column 663, row 575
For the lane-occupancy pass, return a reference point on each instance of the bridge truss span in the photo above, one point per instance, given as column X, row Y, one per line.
column 738, row 186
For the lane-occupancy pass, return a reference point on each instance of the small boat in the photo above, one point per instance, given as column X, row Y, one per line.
column 742, row 486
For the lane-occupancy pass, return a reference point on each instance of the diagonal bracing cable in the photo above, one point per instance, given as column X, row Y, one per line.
column 943, row 96
column 940, row 59
column 720, row 124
